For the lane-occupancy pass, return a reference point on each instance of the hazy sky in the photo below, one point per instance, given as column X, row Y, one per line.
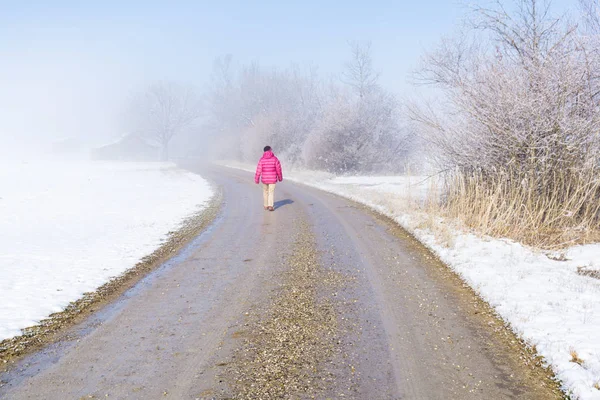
column 65, row 66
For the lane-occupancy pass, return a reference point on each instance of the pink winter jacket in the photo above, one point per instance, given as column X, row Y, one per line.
column 269, row 168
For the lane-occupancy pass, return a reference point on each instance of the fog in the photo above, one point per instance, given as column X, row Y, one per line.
column 82, row 76
column 45, row 99
column 465, row 121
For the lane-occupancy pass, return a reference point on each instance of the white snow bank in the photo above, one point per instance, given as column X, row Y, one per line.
column 545, row 301
column 65, row 229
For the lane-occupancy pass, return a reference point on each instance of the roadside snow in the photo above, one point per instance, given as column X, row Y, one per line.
column 65, row 229
column 544, row 300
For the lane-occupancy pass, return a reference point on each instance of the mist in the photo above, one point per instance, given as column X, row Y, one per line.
column 71, row 71
column 55, row 94
column 75, row 78
column 218, row 156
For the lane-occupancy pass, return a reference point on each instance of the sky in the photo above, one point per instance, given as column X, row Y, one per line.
column 67, row 67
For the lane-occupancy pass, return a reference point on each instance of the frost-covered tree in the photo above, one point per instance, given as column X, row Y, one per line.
column 359, row 72
column 591, row 16
column 518, row 125
column 359, row 129
column 259, row 106
column 524, row 96
column 164, row 110
column 356, row 135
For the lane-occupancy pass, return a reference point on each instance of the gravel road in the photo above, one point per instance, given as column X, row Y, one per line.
column 320, row 299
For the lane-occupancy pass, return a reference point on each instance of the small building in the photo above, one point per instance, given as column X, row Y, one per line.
column 130, row 147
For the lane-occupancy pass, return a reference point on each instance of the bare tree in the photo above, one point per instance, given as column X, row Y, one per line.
column 528, row 101
column 519, row 123
column 164, row 110
column 591, row 16
column 358, row 133
column 359, row 72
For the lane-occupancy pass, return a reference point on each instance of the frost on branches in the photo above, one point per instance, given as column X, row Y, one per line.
column 344, row 126
column 520, row 120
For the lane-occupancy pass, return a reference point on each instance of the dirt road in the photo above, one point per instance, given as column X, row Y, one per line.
column 319, row 299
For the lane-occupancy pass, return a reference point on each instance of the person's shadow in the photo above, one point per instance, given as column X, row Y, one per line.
column 282, row 203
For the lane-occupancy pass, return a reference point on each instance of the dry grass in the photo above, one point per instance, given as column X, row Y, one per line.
column 553, row 213
column 575, row 357
column 597, row 385
column 444, row 234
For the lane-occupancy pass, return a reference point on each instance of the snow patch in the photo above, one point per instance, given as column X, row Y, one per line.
column 67, row 228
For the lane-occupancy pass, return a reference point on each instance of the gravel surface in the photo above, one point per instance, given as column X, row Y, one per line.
column 288, row 346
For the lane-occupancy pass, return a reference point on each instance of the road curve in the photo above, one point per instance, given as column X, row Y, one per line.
column 319, row 299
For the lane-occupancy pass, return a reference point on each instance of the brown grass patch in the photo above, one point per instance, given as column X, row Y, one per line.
column 554, row 214
column 575, row 357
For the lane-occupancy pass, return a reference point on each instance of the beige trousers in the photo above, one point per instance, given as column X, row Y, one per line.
column 268, row 194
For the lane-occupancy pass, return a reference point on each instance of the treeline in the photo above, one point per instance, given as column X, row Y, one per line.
column 345, row 125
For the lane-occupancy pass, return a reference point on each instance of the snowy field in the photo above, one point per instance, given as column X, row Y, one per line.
column 65, row 229
column 544, row 300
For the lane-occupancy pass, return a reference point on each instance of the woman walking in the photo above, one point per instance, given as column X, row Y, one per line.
column 269, row 169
